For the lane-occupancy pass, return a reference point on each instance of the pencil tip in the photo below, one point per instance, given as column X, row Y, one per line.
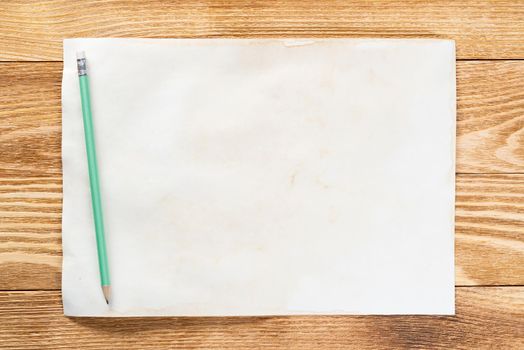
column 107, row 293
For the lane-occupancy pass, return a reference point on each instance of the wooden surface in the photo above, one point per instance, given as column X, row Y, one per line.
column 487, row 318
column 490, row 166
column 33, row 30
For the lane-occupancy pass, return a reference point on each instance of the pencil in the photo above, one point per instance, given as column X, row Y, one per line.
column 94, row 184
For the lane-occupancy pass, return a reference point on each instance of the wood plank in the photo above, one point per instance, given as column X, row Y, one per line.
column 486, row 318
column 490, row 117
column 490, row 113
column 30, row 233
column 30, row 119
column 33, row 30
column 489, row 231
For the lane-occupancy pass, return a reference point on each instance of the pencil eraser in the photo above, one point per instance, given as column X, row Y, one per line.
column 80, row 55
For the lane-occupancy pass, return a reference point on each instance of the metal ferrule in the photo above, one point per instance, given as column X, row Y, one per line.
column 82, row 66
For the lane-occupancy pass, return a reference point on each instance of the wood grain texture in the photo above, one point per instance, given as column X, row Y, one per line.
column 489, row 230
column 490, row 116
column 490, row 208
column 30, row 119
column 30, row 176
column 33, row 30
column 486, row 318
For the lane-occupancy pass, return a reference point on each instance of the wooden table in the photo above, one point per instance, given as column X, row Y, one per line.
column 490, row 170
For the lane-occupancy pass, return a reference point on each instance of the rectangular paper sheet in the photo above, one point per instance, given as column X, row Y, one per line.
column 262, row 177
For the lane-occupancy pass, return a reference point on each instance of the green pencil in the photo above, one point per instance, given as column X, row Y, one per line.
column 93, row 176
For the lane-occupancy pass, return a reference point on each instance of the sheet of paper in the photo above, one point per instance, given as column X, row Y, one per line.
column 262, row 177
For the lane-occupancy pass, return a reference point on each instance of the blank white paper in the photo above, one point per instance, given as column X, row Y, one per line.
column 262, row 177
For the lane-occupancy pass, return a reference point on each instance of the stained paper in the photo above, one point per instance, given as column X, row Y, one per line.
column 262, row 177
